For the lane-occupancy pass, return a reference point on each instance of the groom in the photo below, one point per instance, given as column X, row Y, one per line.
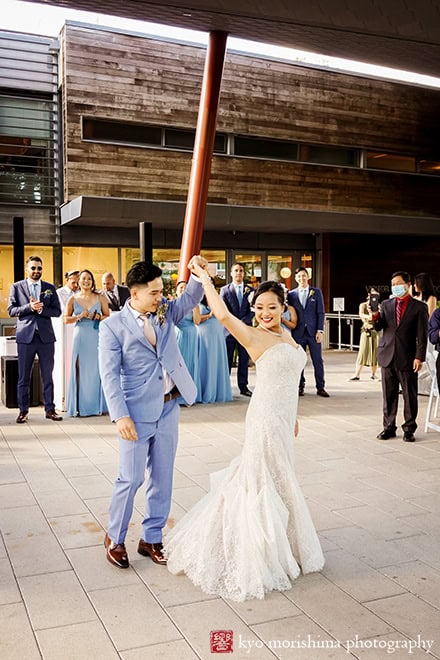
column 143, row 374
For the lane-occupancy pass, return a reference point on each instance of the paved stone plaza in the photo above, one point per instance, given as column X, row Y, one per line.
column 376, row 506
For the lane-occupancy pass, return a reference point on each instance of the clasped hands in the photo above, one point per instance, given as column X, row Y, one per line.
column 36, row 305
column 197, row 265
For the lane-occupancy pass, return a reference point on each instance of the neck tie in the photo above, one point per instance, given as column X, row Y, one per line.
column 303, row 297
column 113, row 299
column 148, row 328
column 34, row 291
column 239, row 295
column 399, row 304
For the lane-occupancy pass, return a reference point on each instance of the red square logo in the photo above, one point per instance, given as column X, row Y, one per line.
column 221, row 641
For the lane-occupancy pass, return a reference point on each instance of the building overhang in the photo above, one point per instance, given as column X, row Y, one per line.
column 111, row 212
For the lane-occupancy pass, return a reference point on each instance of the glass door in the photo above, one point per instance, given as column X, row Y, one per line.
column 254, row 267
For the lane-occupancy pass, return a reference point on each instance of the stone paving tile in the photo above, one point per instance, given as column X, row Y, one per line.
column 56, row 599
column 300, row 637
column 410, row 616
column 15, row 495
column 9, row 592
column 132, row 617
column 94, row 572
column 76, row 531
column 356, row 578
column 419, row 578
column 338, row 613
column 197, row 620
column 274, row 606
column 95, row 485
column 61, row 503
column 81, row 640
column 179, row 650
column 77, row 467
column 17, row 639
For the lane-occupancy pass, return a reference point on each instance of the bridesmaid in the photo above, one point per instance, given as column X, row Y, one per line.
column 186, row 336
column 86, row 309
column 215, row 382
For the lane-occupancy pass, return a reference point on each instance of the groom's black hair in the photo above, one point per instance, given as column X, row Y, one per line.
column 142, row 273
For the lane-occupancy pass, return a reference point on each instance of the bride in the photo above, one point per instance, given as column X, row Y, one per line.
column 252, row 532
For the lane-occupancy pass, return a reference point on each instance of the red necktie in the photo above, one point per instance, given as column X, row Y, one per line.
column 399, row 305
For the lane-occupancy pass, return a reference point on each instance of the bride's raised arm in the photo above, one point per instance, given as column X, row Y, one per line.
column 245, row 334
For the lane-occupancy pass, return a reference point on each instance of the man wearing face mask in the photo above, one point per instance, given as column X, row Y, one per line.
column 401, row 353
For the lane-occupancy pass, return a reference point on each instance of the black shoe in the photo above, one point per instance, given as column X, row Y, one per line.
column 301, row 391
column 323, row 393
column 22, row 418
column 246, row 392
column 51, row 414
column 386, row 434
column 409, row 437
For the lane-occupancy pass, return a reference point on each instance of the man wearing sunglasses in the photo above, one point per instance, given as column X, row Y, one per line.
column 34, row 302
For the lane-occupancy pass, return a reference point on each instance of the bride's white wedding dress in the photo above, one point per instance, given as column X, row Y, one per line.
column 253, row 532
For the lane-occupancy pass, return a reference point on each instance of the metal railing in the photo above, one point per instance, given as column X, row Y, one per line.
column 340, row 331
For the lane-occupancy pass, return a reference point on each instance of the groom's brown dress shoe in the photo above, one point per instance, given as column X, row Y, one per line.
column 51, row 414
column 116, row 553
column 153, row 550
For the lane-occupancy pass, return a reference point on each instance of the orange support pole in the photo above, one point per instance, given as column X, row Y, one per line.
column 203, row 149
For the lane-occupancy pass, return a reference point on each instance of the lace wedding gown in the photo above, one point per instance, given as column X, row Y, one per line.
column 253, row 532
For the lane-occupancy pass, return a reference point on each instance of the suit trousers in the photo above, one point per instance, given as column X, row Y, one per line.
column 26, row 355
column 154, row 451
column 391, row 378
column 317, row 361
column 243, row 361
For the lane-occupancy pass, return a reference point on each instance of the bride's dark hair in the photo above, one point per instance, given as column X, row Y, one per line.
column 274, row 287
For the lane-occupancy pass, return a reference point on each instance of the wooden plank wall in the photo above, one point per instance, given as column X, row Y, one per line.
column 135, row 79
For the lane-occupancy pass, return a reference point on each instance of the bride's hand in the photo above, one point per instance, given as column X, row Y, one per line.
column 296, row 430
column 197, row 264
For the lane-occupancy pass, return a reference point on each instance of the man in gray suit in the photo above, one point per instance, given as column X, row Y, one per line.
column 143, row 374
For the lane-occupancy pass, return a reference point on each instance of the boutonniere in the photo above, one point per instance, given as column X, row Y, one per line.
column 161, row 314
column 47, row 293
column 311, row 293
column 246, row 290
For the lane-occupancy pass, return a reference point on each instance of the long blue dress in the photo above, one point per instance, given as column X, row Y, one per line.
column 215, row 383
column 85, row 395
column 187, row 341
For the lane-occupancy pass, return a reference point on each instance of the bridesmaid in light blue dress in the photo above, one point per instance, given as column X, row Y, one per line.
column 86, row 309
column 187, row 340
column 215, row 382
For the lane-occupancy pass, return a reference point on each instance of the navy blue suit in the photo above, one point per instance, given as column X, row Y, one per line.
column 245, row 314
column 35, row 336
column 310, row 319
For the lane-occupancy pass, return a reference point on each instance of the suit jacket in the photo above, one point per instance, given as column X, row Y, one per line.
column 123, row 294
column 131, row 368
column 311, row 317
column 28, row 320
column 243, row 311
column 402, row 343
column 434, row 328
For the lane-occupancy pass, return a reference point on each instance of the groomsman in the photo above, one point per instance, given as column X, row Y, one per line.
column 34, row 302
column 115, row 294
column 309, row 305
column 236, row 298
column 70, row 287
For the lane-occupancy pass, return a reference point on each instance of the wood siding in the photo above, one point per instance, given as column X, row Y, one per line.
column 135, row 79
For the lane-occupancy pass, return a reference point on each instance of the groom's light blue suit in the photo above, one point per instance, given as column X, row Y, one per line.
column 132, row 377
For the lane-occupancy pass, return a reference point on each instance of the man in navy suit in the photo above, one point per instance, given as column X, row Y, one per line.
column 236, row 298
column 309, row 305
column 34, row 302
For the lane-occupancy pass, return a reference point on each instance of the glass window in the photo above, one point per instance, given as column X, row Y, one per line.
column 102, row 130
column 261, row 148
column 385, row 161
column 429, row 167
column 26, row 145
column 329, row 155
column 253, row 267
column 184, row 139
column 97, row 260
column 280, row 268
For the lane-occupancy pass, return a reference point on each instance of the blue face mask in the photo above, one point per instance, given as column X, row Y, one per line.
column 398, row 290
